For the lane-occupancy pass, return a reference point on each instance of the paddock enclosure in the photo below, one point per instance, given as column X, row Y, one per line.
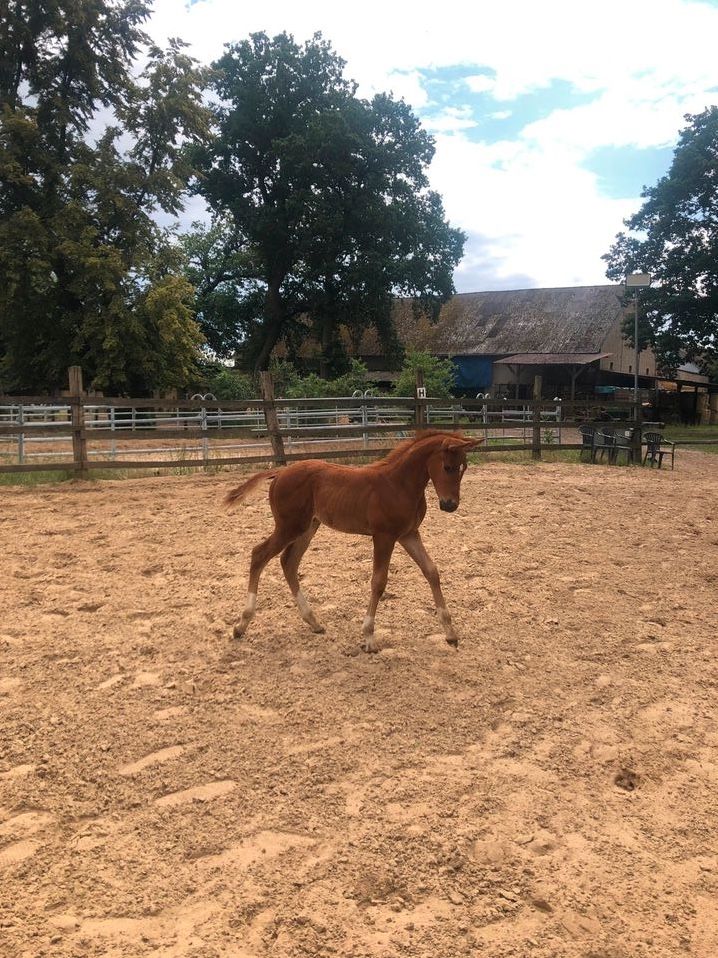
column 548, row 790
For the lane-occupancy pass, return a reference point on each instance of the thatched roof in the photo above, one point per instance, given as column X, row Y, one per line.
column 564, row 320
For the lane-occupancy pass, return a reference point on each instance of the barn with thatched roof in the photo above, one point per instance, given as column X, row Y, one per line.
column 500, row 340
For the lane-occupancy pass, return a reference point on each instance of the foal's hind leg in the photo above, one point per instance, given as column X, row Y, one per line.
column 291, row 557
column 383, row 548
column 261, row 555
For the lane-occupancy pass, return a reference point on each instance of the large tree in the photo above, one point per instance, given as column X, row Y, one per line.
column 674, row 237
column 329, row 191
column 89, row 153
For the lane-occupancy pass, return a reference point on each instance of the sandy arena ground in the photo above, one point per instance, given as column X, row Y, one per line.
column 550, row 790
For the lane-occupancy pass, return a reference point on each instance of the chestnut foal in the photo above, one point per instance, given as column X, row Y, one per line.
column 385, row 500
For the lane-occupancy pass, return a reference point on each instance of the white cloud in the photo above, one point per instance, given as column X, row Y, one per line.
column 530, row 206
column 544, row 215
column 481, row 83
column 408, row 86
column 450, row 120
column 638, row 115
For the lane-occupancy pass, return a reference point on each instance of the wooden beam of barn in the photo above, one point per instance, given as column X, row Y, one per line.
column 576, row 363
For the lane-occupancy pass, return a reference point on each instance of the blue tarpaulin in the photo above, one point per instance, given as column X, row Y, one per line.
column 473, row 372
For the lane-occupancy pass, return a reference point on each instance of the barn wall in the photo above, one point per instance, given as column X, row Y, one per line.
column 623, row 355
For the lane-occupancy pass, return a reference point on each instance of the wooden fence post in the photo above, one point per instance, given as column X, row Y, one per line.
column 270, row 416
column 536, row 437
column 419, row 397
column 77, row 412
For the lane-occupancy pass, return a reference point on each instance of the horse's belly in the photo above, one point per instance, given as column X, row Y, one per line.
column 354, row 525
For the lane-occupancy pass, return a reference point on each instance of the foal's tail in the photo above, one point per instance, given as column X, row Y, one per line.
column 236, row 495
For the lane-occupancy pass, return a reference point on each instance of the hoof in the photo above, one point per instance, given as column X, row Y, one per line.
column 453, row 642
column 238, row 631
column 318, row 629
column 369, row 645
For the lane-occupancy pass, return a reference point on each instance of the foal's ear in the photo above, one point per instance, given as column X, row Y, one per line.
column 452, row 444
column 472, row 443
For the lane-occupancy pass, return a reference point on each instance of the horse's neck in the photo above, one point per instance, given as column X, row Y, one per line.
column 412, row 468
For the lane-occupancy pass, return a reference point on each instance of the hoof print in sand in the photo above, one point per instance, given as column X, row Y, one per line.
column 16, row 852
column 200, row 793
column 163, row 755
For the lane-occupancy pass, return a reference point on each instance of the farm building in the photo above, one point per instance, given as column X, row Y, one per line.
column 569, row 336
column 500, row 340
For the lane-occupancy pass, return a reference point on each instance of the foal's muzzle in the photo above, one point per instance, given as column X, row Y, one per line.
column 448, row 505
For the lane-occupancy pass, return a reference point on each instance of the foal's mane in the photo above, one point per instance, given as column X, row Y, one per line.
column 404, row 448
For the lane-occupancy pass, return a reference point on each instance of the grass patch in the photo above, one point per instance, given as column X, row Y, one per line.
column 684, row 434
column 524, row 456
column 35, row 478
column 691, row 432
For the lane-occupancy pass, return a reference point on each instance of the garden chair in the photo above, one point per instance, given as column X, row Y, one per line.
column 587, row 436
column 655, row 451
column 623, row 443
column 604, row 442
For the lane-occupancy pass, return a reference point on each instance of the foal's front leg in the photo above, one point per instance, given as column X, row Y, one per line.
column 415, row 547
column 383, row 548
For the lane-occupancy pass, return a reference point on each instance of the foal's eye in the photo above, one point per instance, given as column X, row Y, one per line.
column 451, row 468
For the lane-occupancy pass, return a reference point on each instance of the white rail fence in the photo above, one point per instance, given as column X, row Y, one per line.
column 123, row 420
column 118, row 421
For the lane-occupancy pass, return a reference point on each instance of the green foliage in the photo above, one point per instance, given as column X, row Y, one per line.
column 219, row 266
column 315, row 387
column 86, row 275
column 327, row 191
column 233, row 385
column 438, row 375
column 674, row 237
column 710, row 365
column 285, row 376
column 354, row 378
column 309, row 387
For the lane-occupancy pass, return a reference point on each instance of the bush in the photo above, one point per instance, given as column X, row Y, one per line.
column 284, row 376
column 233, row 386
column 288, row 384
column 308, row 387
column 314, row 387
column 438, row 375
column 354, row 378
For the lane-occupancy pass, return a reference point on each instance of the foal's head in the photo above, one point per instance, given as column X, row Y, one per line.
column 447, row 465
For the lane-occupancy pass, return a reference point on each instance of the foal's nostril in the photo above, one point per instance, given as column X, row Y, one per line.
column 448, row 505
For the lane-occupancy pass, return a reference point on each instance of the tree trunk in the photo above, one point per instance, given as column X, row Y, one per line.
column 273, row 325
column 326, row 343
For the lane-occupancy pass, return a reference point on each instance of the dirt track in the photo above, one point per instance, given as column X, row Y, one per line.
column 549, row 790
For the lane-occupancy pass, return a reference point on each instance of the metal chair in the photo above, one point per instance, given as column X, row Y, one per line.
column 654, row 451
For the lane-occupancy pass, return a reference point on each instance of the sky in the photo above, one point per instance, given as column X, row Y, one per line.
column 549, row 116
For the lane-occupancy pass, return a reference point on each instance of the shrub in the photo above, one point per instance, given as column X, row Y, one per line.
column 314, row 387
column 438, row 375
column 233, row 386
column 284, row 376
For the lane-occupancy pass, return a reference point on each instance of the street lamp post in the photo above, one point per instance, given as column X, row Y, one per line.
column 636, row 281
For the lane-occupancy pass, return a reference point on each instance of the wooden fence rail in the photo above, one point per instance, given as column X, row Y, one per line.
column 275, row 423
